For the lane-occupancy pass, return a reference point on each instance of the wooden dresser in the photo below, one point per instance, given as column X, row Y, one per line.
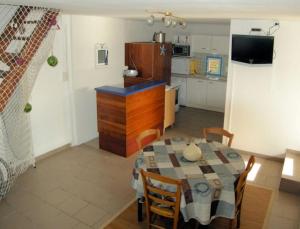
column 123, row 113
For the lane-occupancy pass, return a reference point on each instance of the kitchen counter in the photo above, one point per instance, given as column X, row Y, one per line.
column 124, row 112
column 120, row 89
column 199, row 76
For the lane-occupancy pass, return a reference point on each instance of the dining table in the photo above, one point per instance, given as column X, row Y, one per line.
column 208, row 184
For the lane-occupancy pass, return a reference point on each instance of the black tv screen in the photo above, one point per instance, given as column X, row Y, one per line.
column 252, row 49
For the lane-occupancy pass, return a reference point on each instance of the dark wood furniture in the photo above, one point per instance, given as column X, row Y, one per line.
column 123, row 113
column 129, row 81
column 152, row 60
column 218, row 131
column 159, row 201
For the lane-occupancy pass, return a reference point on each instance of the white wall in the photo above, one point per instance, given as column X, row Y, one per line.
column 86, row 32
column 263, row 105
column 50, row 116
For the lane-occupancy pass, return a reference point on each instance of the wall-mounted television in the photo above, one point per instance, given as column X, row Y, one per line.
column 252, row 49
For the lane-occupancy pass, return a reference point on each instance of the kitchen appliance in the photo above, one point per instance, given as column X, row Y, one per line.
column 252, row 49
column 159, row 37
column 181, row 49
column 180, row 84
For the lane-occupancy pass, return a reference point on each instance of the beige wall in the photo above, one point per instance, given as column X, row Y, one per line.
column 263, row 105
column 50, row 116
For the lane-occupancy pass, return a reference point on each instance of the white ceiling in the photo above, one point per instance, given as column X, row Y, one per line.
column 190, row 9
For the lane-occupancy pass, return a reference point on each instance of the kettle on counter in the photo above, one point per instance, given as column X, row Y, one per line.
column 159, row 37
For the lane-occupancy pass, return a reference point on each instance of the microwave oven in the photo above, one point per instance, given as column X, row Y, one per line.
column 181, row 50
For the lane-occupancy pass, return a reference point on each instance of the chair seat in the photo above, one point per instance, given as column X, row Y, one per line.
column 163, row 211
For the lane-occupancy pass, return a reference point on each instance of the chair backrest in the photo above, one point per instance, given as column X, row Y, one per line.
column 218, row 131
column 161, row 196
column 155, row 133
column 240, row 187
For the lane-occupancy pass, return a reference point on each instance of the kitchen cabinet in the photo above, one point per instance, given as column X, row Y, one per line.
column 216, row 94
column 169, row 108
column 206, row 94
column 210, row 44
column 220, row 45
column 196, row 92
column 201, row 43
column 152, row 60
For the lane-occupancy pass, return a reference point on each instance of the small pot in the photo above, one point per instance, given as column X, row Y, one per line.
column 159, row 37
column 132, row 73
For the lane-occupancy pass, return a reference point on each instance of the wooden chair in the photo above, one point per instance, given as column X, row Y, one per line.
column 159, row 201
column 218, row 131
column 239, row 191
column 155, row 133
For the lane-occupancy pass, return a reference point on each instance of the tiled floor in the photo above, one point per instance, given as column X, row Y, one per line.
column 83, row 187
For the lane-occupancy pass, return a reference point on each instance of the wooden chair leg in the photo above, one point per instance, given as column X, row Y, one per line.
column 231, row 223
column 238, row 224
column 140, row 209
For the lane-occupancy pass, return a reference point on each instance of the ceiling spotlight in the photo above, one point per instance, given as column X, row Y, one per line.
column 183, row 24
column 167, row 21
column 174, row 23
column 150, row 20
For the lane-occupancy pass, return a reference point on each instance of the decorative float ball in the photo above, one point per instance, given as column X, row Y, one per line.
column 52, row 61
column 27, row 108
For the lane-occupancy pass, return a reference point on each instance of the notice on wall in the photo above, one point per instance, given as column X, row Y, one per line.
column 213, row 65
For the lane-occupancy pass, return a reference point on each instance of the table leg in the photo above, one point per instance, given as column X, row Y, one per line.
column 140, row 209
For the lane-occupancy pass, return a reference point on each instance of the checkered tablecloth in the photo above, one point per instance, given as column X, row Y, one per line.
column 207, row 184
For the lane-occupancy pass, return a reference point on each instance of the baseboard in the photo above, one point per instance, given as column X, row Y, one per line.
column 52, row 152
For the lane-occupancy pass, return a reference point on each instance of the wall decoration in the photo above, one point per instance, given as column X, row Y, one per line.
column 27, row 108
column 52, row 60
column 214, row 65
column 101, row 54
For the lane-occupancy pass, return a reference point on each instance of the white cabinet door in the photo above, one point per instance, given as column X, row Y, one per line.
column 201, row 43
column 220, row 45
column 216, row 95
column 196, row 93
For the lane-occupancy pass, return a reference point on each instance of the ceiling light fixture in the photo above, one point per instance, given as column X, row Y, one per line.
column 167, row 18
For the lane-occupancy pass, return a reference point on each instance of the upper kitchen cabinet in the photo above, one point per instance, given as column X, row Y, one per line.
column 152, row 60
column 210, row 44
column 220, row 45
column 201, row 43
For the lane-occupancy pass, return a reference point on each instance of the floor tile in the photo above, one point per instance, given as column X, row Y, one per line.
column 72, row 205
column 56, row 197
column 82, row 226
column 17, row 221
column 90, row 215
column 60, row 221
